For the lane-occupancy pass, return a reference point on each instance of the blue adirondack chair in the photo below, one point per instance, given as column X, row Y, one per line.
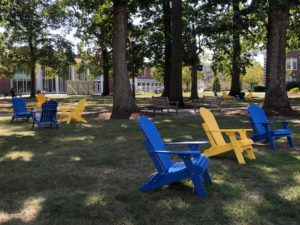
column 262, row 129
column 193, row 164
column 20, row 110
column 48, row 115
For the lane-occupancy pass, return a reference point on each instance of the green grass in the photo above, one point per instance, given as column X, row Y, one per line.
column 90, row 174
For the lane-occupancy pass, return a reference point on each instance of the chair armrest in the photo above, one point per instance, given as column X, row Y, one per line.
column 179, row 153
column 234, row 130
column 186, row 143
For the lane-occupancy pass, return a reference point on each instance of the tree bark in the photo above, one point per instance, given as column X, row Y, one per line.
column 32, row 67
column 194, row 91
column 235, row 88
column 168, row 47
column 176, row 78
column 123, row 102
column 276, row 98
column 106, row 67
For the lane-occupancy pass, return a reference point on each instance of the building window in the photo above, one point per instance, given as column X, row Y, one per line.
column 291, row 64
column 139, row 84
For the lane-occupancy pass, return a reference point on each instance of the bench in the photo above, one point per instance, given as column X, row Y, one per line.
column 209, row 101
column 164, row 103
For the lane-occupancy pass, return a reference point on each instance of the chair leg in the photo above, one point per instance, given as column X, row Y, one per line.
column 250, row 153
column 290, row 140
column 237, row 150
column 207, row 177
column 272, row 143
column 197, row 181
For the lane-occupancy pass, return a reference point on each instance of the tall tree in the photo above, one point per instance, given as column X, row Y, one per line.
column 276, row 98
column 176, row 78
column 28, row 23
column 123, row 102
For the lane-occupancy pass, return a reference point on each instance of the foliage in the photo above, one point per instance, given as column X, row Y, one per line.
column 254, row 75
column 292, row 84
column 216, row 86
column 294, row 90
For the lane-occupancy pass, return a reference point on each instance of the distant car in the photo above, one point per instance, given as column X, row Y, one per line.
column 159, row 90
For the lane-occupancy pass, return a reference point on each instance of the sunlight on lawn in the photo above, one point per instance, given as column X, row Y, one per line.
column 30, row 210
column 290, row 193
column 18, row 155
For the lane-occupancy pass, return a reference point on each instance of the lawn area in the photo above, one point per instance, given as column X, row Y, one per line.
column 84, row 174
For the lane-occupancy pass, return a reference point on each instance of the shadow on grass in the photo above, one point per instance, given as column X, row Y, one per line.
column 90, row 173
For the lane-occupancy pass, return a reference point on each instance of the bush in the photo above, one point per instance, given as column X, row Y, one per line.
column 292, row 84
column 258, row 88
column 294, row 90
column 216, row 86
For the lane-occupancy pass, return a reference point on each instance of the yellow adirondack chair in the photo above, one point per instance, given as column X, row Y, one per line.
column 76, row 113
column 226, row 96
column 249, row 96
column 218, row 144
column 41, row 98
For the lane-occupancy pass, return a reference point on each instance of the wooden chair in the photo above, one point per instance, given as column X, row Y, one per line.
column 262, row 129
column 41, row 98
column 19, row 110
column 218, row 144
column 76, row 113
column 193, row 164
column 47, row 116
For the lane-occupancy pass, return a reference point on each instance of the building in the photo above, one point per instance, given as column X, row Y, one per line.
column 146, row 82
column 292, row 66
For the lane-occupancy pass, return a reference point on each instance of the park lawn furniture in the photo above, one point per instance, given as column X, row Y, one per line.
column 41, row 98
column 193, row 164
column 209, row 101
column 218, row 144
column 19, row 110
column 164, row 103
column 48, row 115
column 262, row 129
column 75, row 113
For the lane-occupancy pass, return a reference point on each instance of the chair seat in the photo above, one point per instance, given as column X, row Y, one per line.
column 25, row 114
column 246, row 142
column 198, row 162
column 281, row 132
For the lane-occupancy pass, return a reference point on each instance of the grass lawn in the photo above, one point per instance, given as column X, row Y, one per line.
column 84, row 174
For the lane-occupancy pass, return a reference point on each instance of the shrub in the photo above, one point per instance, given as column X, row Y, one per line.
column 292, row 84
column 216, row 86
column 294, row 90
column 258, row 88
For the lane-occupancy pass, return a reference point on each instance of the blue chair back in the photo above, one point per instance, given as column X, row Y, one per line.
column 49, row 111
column 19, row 105
column 257, row 117
column 154, row 142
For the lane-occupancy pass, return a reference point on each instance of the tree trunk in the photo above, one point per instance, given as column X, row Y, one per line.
column 194, row 91
column 236, row 54
column 176, row 78
column 168, row 47
column 123, row 102
column 106, row 67
column 276, row 98
column 32, row 77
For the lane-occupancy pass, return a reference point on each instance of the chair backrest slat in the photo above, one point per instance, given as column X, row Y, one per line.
column 154, row 142
column 257, row 117
column 211, row 126
column 49, row 111
column 19, row 105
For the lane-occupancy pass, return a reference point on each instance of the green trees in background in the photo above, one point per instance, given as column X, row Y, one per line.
column 27, row 25
column 254, row 75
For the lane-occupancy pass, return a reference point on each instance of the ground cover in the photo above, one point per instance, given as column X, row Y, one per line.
column 90, row 173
